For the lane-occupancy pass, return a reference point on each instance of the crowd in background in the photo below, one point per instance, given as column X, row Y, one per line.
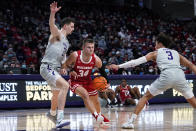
column 120, row 33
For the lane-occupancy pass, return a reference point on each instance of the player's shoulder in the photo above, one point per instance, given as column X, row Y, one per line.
column 74, row 54
column 54, row 38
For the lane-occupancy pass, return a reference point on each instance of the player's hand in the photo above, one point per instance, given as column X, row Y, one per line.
column 113, row 66
column 54, row 8
column 106, row 89
column 63, row 71
column 73, row 74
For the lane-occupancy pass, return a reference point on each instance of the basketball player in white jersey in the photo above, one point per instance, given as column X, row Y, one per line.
column 172, row 76
column 51, row 64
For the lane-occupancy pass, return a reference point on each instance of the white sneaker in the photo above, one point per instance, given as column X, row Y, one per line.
column 99, row 119
column 62, row 123
column 52, row 118
column 128, row 125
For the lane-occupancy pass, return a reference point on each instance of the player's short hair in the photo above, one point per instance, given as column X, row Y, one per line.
column 164, row 39
column 123, row 80
column 87, row 41
column 67, row 21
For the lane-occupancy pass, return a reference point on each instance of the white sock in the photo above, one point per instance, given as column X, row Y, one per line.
column 136, row 101
column 53, row 112
column 99, row 113
column 115, row 100
column 60, row 115
column 133, row 118
column 108, row 100
column 95, row 113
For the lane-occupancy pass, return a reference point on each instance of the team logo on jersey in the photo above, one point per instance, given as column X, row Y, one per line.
column 65, row 46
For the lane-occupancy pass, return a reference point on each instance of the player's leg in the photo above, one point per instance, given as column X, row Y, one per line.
column 137, row 92
column 156, row 88
column 192, row 101
column 187, row 92
column 55, row 80
column 102, row 99
column 96, row 103
column 54, row 104
column 183, row 87
column 85, row 96
column 147, row 96
column 63, row 86
column 94, row 99
column 82, row 92
column 111, row 95
column 129, row 125
column 130, row 101
column 105, row 96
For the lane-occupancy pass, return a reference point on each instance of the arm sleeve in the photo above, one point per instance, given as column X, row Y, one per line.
column 103, row 72
column 133, row 63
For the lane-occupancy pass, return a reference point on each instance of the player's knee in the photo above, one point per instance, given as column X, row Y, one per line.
column 148, row 95
column 85, row 96
column 188, row 94
column 97, row 102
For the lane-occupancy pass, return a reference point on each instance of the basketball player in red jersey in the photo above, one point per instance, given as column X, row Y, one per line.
column 83, row 61
column 126, row 94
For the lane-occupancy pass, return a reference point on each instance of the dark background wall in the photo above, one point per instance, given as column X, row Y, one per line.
column 175, row 8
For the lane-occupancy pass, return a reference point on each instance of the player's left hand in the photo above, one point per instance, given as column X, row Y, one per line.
column 54, row 8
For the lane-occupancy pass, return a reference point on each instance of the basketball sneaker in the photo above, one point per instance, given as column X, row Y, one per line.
column 99, row 118
column 105, row 119
column 61, row 122
column 51, row 117
column 128, row 125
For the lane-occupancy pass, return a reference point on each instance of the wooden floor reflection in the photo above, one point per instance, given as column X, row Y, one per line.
column 164, row 117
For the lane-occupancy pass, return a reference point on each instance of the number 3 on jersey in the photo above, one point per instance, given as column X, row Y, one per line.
column 170, row 57
column 83, row 73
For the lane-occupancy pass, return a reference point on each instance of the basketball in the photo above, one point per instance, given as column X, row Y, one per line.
column 99, row 83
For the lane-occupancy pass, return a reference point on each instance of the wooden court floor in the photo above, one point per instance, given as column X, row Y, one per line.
column 164, row 117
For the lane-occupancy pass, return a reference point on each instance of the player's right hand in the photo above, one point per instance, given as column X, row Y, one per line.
column 73, row 74
column 113, row 67
column 54, row 8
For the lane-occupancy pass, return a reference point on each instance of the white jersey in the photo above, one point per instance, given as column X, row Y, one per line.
column 167, row 58
column 172, row 76
column 56, row 52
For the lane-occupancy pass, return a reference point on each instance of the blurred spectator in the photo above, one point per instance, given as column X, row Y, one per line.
column 126, row 95
column 150, row 71
column 122, row 33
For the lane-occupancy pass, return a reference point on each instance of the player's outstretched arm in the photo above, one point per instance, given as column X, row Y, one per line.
column 53, row 28
column 187, row 63
column 136, row 62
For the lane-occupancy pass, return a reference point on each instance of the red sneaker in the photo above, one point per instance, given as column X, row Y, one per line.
column 105, row 119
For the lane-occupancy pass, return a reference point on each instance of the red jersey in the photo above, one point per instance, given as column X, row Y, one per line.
column 124, row 93
column 83, row 70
